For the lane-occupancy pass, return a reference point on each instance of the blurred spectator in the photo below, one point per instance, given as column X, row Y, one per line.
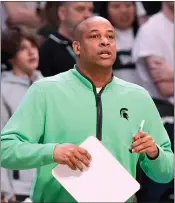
column 153, row 54
column 56, row 54
column 146, row 9
column 20, row 13
column 51, row 19
column 123, row 17
column 21, row 50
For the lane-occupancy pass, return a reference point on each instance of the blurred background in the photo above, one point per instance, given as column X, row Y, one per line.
column 36, row 42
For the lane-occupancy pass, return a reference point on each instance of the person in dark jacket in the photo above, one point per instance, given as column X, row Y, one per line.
column 56, row 53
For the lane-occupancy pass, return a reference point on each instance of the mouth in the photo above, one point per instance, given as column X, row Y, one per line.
column 32, row 60
column 105, row 54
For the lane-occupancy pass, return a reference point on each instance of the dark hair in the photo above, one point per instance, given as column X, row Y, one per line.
column 11, row 41
column 51, row 11
column 103, row 12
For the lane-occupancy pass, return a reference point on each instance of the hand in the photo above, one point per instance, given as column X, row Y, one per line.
column 72, row 155
column 160, row 74
column 159, row 69
column 143, row 143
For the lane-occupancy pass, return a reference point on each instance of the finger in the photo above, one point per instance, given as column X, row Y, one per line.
column 86, row 161
column 146, row 150
column 82, row 158
column 84, row 152
column 155, row 65
column 139, row 135
column 76, row 163
column 141, row 141
column 142, row 147
column 71, row 165
column 158, row 59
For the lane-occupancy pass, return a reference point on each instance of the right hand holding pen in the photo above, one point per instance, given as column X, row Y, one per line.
column 72, row 155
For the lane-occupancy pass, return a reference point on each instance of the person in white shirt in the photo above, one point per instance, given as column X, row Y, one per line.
column 153, row 54
column 123, row 16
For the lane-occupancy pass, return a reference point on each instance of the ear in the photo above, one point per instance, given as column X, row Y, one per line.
column 61, row 12
column 76, row 47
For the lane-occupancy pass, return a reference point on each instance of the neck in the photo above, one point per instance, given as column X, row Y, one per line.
column 63, row 30
column 169, row 13
column 18, row 72
column 100, row 76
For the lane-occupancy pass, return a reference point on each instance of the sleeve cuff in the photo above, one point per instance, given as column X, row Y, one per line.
column 154, row 157
column 49, row 149
column 155, row 161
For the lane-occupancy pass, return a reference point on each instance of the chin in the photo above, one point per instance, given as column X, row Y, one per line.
column 33, row 66
column 31, row 69
column 105, row 64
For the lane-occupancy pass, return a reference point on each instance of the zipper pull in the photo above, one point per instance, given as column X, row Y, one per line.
column 97, row 99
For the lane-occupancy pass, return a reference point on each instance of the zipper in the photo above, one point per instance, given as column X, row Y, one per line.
column 99, row 113
column 99, row 109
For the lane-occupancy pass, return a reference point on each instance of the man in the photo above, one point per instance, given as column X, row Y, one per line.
column 56, row 54
column 153, row 54
column 84, row 101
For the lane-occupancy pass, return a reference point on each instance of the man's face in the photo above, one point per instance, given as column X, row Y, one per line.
column 121, row 14
column 97, row 44
column 75, row 12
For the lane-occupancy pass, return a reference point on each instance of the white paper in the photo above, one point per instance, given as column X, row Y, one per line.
column 106, row 180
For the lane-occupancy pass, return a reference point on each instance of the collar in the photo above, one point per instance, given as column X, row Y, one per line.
column 87, row 82
column 62, row 38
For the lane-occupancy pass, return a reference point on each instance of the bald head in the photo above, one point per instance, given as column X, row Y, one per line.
column 95, row 44
column 83, row 26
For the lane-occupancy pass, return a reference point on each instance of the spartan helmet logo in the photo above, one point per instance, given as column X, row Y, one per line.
column 123, row 113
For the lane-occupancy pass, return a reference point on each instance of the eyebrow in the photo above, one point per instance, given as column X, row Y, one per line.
column 95, row 30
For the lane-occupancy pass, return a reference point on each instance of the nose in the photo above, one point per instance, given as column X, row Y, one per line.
column 104, row 42
column 30, row 51
column 87, row 14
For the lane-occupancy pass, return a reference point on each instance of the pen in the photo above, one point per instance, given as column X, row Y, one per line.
column 140, row 129
column 141, row 126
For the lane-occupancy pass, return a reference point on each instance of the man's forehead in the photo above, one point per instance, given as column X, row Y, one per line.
column 93, row 23
column 79, row 3
column 96, row 29
column 98, row 26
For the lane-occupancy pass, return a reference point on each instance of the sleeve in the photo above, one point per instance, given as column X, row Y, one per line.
column 46, row 59
column 147, row 43
column 161, row 169
column 5, row 114
column 21, row 146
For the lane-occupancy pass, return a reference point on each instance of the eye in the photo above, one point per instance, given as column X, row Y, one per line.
column 111, row 37
column 94, row 36
column 22, row 47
